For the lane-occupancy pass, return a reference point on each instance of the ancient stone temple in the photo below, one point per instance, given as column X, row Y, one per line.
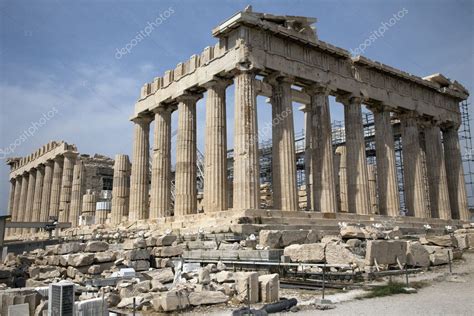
column 281, row 57
column 51, row 182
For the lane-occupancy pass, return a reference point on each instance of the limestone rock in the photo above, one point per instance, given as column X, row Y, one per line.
column 340, row 254
column 311, row 253
column 225, row 276
column 462, row 241
column 207, row 298
column 165, row 240
column 67, row 248
column 438, row 255
column 291, row 237
column 173, row 300
column 417, row 255
column 138, row 265
column 106, row 256
column 204, row 276
column 130, row 244
column 162, row 275
column 444, row 241
column 352, row 231
column 136, row 254
column 96, row 246
column 168, row 251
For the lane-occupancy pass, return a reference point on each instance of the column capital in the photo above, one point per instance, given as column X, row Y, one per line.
column 189, row 97
column 378, row 107
column 278, row 77
column 317, row 89
column 349, row 99
column 217, row 82
column 142, row 119
column 69, row 154
column 164, row 109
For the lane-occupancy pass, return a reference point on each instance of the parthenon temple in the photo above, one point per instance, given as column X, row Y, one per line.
column 279, row 57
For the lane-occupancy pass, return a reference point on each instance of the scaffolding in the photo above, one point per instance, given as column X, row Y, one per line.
column 467, row 154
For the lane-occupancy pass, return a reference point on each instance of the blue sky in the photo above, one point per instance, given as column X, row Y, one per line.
column 60, row 56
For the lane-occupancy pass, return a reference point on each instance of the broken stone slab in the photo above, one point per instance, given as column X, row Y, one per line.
column 224, row 276
column 372, row 232
column 80, row 259
column 96, row 246
column 417, row 255
column 462, row 241
column 386, row 252
column 270, row 238
column 331, row 238
column 99, row 268
column 161, row 275
column 291, row 237
column 269, row 291
column 351, row 231
column 310, row 253
column 136, row 254
column 128, row 302
column 207, row 298
column 444, row 240
column 138, row 265
column 106, row 256
column 167, row 251
column 130, row 244
column 246, row 286
column 438, row 255
column 171, row 301
column 165, row 240
column 204, row 276
column 253, row 255
column 200, row 244
column 341, row 255
column 67, row 248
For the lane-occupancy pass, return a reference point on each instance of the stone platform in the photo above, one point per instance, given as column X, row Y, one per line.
column 246, row 222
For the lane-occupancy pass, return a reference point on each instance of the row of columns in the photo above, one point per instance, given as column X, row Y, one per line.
column 47, row 190
column 424, row 158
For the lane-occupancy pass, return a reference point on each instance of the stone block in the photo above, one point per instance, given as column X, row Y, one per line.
column 96, row 246
column 340, row 254
column 417, row 255
column 444, row 240
column 204, row 276
column 351, row 231
column 80, row 259
column 270, row 238
column 165, row 240
column 470, row 240
column 106, row 256
column 462, row 241
column 269, row 291
column 291, row 237
column 168, row 251
column 311, row 253
column 246, row 285
column 137, row 254
column 67, row 248
column 130, row 244
column 225, row 276
column 174, row 300
column 161, row 275
column 207, row 298
column 386, row 251
column 138, row 265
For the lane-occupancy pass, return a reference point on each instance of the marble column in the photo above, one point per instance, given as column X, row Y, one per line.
column 11, row 202
column 308, row 174
column 35, row 216
column 185, row 201
column 372, row 188
column 66, row 187
column 23, row 198
column 436, row 170
column 46, row 194
column 27, row 215
column 357, row 181
column 161, row 165
column 455, row 174
column 215, row 160
column 89, row 205
column 341, row 155
column 16, row 202
column 246, row 162
column 324, row 185
column 121, row 189
column 387, row 183
column 416, row 199
column 284, row 146
column 78, row 187
column 139, row 181
column 56, row 186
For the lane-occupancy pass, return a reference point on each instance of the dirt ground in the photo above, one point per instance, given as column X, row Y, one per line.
column 445, row 294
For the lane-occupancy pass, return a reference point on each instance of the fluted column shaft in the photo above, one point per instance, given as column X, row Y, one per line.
column 357, row 180
column 324, row 185
column 89, row 205
column 139, row 187
column 282, row 114
column 16, row 202
column 11, row 202
column 455, row 174
column 161, row 165
column 341, row 162
column 27, row 215
column 23, row 200
column 215, row 168
column 387, row 183
column 121, row 189
column 308, row 174
column 56, row 186
column 413, row 169
column 35, row 216
column 371, row 174
column 66, row 187
column 78, row 187
column 436, row 170
column 46, row 194
column 246, row 163
column 186, row 157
